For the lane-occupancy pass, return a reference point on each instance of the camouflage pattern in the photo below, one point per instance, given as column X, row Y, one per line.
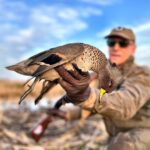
column 135, row 139
column 128, row 105
column 126, row 110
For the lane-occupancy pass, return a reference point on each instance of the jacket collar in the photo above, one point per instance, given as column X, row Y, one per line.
column 126, row 67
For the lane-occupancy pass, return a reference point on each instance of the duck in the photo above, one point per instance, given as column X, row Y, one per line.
column 86, row 57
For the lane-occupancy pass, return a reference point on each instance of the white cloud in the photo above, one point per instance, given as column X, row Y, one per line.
column 105, row 32
column 142, row 27
column 90, row 11
column 28, row 28
column 10, row 11
column 42, row 24
column 101, row 2
column 142, row 32
column 61, row 22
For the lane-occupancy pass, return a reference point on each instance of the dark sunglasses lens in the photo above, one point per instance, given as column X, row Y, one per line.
column 123, row 43
column 111, row 43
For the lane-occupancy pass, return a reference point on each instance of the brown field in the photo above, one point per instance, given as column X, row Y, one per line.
column 16, row 124
column 12, row 90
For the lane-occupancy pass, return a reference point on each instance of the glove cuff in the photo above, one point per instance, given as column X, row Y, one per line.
column 89, row 103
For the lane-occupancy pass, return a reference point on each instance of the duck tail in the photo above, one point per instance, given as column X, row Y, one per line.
column 12, row 67
column 22, row 68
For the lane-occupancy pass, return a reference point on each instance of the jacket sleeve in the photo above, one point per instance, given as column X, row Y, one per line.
column 122, row 104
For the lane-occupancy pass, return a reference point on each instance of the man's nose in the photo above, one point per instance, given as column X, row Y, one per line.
column 116, row 47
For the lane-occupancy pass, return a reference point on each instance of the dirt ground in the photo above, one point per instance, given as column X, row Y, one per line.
column 16, row 126
column 17, row 122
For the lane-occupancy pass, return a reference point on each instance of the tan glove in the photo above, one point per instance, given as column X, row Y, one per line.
column 75, row 83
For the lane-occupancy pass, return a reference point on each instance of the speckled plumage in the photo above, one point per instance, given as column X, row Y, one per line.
column 41, row 66
column 85, row 56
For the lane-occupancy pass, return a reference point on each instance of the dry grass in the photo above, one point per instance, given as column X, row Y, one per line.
column 15, row 125
column 12, row 90
column 15, row 133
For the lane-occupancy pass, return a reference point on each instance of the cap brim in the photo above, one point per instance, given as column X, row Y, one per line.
column 117, row 35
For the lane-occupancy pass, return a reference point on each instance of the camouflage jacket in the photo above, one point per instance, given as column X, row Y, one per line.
column 129, row 105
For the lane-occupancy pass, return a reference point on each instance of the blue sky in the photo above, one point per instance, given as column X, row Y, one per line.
column 28, row 27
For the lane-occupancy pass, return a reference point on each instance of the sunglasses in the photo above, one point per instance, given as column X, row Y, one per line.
column 122, row 43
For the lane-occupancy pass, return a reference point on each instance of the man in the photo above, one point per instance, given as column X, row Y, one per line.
column 126, row 110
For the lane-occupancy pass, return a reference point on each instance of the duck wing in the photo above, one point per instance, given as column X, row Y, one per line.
column 48, row 59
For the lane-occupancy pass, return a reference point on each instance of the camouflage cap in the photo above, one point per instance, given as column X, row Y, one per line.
column 122, row 32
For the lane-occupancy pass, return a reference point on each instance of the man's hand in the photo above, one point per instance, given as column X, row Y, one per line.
column 75, row 83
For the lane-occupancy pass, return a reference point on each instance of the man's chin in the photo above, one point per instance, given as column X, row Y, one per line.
column 115, row 60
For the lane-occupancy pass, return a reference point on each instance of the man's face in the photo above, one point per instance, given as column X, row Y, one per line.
column 120, row 49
